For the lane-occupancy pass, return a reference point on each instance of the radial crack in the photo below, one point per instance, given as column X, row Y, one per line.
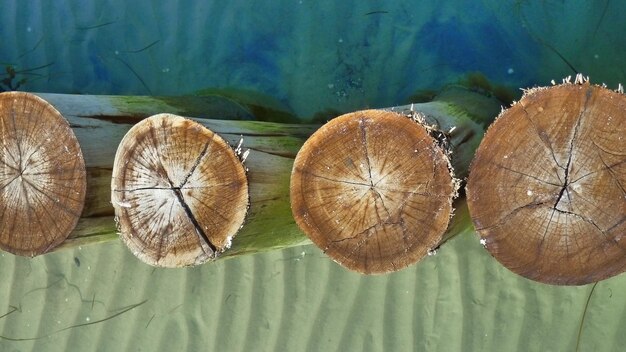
column 542, row 136
column 332, row 179
column 367, row 157
column 193, row 220
column 565, row 184
column 505, row 218
column 525, row 174
column 198, row 160
column 571, row 148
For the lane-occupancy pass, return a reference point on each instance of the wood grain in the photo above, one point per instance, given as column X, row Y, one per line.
column 42, row 175
column 179, row 191
column 547, row 187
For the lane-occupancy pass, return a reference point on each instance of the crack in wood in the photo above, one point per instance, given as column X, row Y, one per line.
column 177, row 191
column 505, row 218
column 525, row 174
column 193, row 220
column 198, row 160
column 568, row 166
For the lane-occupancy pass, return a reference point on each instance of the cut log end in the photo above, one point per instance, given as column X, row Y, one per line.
column 179, row 191
column 547, row 189
column 373, row 190
column 42, row 175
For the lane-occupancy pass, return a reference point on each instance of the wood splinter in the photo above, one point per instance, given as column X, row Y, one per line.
column 179, row 191
column 42, row 175
column 374, row 190
column 547, row 189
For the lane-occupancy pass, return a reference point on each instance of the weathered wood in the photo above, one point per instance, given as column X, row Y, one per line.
column 42, row 175
column 459, row 118
column 373, row 190
column 547, row 188
column 179, row 191
column 100, row 122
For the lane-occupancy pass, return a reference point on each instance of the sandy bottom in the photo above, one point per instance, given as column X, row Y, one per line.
column 100, row 296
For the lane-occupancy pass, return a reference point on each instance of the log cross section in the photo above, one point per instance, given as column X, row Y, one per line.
column 373, row 190
column 179, row 191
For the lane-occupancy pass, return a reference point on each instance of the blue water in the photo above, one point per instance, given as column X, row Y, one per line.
column 311, row 56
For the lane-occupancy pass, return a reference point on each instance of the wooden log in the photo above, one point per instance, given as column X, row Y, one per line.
column 547, row 190
column 42, row 175
column 100, row 122
column 374, row 189
column 458, row 119
column 179, row 191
